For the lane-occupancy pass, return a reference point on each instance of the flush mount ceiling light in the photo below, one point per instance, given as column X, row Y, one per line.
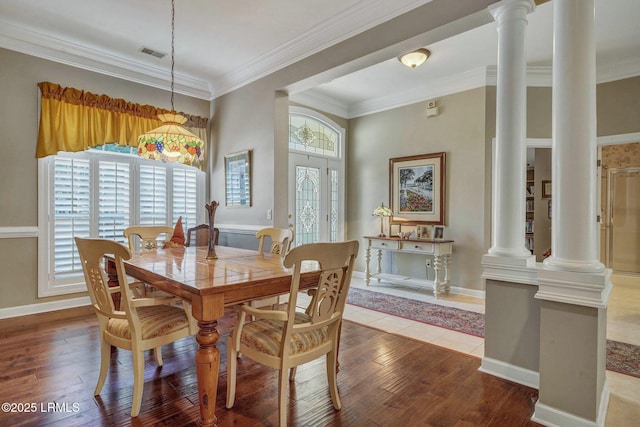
column 171, row 141
column 415, row 58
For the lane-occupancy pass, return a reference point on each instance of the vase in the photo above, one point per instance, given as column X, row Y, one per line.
column 211, row 209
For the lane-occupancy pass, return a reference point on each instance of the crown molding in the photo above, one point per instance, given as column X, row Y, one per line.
column 537, row 76
column 322, row 102
column 36, row 44
column 624, row 69
column 359, row 17
column 453, row 84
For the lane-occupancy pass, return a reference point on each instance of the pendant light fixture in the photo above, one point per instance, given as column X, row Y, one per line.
column 171, row 141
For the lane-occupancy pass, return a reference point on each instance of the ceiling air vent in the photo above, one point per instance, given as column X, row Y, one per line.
column 152, row 52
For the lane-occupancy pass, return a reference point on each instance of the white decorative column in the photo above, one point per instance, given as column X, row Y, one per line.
column 574, row 287
column 508, row 217
column 573, row 161
column 512, row 313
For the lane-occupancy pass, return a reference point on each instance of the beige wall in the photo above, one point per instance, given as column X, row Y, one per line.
column 19, row 75
column 246, row 117
column 459, row 131
column 618, row 107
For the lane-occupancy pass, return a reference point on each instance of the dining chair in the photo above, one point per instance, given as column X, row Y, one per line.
column 281, row 240
column 201, row 235
column 141, row 324
column 284, row 339
column 147, row 234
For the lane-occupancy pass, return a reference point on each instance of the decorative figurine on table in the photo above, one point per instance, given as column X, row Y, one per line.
column 211, row 208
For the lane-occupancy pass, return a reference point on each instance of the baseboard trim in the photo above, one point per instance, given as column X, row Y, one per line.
column 24, row 310
column 510, row 372
column 453, row 289
column 553, row 417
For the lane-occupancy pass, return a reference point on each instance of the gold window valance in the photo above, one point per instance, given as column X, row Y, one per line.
column 75, row 120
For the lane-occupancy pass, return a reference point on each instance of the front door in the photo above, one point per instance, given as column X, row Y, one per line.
column 314, row 192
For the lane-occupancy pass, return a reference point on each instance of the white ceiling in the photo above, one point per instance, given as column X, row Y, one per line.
column 222, row 45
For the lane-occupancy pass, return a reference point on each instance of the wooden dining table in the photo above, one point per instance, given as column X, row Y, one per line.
column 210, row 285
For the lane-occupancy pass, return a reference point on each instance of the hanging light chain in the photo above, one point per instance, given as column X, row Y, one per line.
column 173, row 14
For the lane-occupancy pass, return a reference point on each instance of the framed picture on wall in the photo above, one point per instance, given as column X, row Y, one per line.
column 237, row 179
column 417, row 188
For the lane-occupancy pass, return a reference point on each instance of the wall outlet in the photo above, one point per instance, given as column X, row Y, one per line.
column 429, row 263
column 269, row 214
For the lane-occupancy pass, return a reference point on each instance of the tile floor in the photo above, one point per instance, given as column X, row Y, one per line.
column 623, row 324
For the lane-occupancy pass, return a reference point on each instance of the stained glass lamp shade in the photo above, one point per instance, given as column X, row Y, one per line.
column 171, row 142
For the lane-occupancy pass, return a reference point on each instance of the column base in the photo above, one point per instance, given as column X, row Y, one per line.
column 555, row 263
column 549, row 416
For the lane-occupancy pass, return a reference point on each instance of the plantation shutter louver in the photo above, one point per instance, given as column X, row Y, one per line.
column 72, row 213
column 153, row 195
column 114, row 207
column 185, row 197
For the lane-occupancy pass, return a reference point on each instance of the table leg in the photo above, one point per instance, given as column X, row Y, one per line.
column 379, row 270
column 207, row 367
column 436, row 279
column 367, row 272
column 446, row 281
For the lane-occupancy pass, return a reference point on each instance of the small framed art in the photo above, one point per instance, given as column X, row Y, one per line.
column 423, row 232
column 237, row 179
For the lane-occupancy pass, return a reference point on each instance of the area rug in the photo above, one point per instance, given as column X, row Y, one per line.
column 621, row 357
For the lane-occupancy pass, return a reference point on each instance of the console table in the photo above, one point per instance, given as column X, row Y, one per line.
column 439, row 248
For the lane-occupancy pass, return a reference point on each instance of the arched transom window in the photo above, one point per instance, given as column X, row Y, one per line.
column 310, row 135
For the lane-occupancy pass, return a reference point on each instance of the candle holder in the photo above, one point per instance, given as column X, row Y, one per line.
column 211, row 209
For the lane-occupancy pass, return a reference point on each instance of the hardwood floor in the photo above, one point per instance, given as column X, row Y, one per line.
column 384, row 380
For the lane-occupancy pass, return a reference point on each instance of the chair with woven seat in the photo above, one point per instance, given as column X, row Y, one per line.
column 199, row 235
column 284, row 339
column 147, row 234
column 142, row 324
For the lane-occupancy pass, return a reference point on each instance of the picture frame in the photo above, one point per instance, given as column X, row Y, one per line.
column 546, row 189
column 394, row 229
column 438, row 232
column 423, row 232
column 417, row 188
column 237, row 179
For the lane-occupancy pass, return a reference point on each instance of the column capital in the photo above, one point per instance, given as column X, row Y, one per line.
column 498, row 10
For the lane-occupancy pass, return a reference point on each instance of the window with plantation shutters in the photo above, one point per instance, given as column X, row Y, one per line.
column 98, row 193
column 185, row 197
column 153, row 195
column 114, row 199
column 71, row 214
